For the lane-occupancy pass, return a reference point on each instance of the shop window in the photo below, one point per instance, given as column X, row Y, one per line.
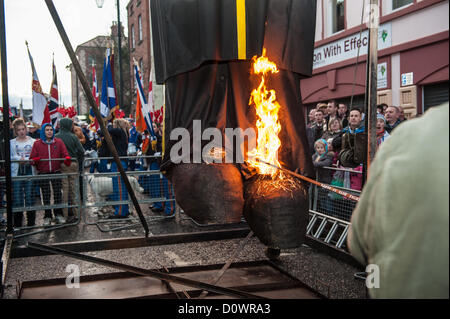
column 337, row 13
column 396, row 4
column 140, row 27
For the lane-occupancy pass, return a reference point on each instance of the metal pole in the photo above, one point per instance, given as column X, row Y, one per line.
column 6, row 137
column 88, row 92
column 146, row 272
column 119, row 38
column 372, row 84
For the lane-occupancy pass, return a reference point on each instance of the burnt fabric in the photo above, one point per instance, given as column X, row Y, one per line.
column 198, row 55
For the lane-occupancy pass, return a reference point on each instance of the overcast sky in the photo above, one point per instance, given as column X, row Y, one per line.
column 30, row 20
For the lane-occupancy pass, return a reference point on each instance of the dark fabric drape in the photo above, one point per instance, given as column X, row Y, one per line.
column 196, row 56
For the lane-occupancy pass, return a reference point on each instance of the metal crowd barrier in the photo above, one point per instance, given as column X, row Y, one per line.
column 149, row 186
column 330, row 213
column 35, row 194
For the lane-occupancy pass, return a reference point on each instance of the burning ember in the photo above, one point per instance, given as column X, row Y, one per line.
column 267, row 124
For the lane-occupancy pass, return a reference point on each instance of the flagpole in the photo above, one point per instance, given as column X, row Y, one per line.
column 6, row 137
column 87, row 91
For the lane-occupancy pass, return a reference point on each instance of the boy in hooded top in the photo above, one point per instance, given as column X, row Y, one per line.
column 53, row 148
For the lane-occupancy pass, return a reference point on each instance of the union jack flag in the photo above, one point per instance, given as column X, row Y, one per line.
column 53, row 101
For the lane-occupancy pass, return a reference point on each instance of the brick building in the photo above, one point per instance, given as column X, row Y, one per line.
column 138, row 12
column 89, row 53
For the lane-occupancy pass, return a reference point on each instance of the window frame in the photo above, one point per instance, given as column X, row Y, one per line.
column 332, row 17
column 402, row 7
column 133, row 37
column 141, row 35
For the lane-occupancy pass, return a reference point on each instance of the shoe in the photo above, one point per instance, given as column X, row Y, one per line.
column 60, row 219
column 47, row 221
column 157, row 210
column 71, row 219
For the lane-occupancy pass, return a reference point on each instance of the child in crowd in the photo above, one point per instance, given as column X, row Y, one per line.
column 382, row 134
column 322, row 158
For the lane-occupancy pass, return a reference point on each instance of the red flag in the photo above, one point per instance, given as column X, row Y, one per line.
column 41, row 114
column 53, row 100
column 94, row 123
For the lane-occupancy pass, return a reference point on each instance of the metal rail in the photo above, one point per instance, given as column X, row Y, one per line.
column 145, row 272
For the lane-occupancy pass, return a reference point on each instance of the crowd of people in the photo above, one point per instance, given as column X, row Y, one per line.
column 60, row 150
column 337, row 138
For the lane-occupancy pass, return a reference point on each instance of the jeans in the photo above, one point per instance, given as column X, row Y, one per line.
column 23, row 190
column 160, row 187
column 57, row 194
column 119, row 191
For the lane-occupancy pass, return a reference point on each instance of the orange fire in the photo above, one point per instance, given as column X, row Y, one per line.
column 267, row 124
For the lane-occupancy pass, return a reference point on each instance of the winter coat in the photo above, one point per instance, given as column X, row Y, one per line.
column 323, row 175
column 44, row 150
column 312, row 135
column 73, row 144
column 119, row 139
column 353, row 151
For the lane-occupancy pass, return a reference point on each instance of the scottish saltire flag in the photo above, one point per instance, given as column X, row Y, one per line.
column 94, row 123
column 108, row 102
column 40, row 111
column 53, row 101
column 143, row 119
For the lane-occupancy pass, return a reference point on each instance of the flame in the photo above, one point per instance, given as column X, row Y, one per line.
column 267, row 124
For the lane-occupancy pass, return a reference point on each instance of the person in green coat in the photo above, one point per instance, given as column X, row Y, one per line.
column 76, row 152
column 400, row 225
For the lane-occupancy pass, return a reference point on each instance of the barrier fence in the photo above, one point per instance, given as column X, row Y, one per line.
column 94, row 195
column 330, row 213
column 97, row 193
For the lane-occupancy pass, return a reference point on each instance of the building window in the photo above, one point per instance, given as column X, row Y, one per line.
column 140, row 27
column 396, row 4
column 133, row 40
column 337, row 15
column 138, row 3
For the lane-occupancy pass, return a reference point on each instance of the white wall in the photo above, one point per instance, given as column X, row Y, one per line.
column 353, row 12
column 419, row 24
column 318, row 35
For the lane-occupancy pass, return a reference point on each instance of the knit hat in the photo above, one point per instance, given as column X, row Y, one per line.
column 323, row 142
column 380, row 116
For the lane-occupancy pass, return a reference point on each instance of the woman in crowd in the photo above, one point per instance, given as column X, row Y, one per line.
column 119, row 132
column 334, row 129
column 20, row 166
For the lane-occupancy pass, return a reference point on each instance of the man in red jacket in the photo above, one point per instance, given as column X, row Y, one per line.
column 47, row 154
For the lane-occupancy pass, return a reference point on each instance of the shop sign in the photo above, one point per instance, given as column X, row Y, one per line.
column 407, row 79
column 382, row 75
column 347, row 48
